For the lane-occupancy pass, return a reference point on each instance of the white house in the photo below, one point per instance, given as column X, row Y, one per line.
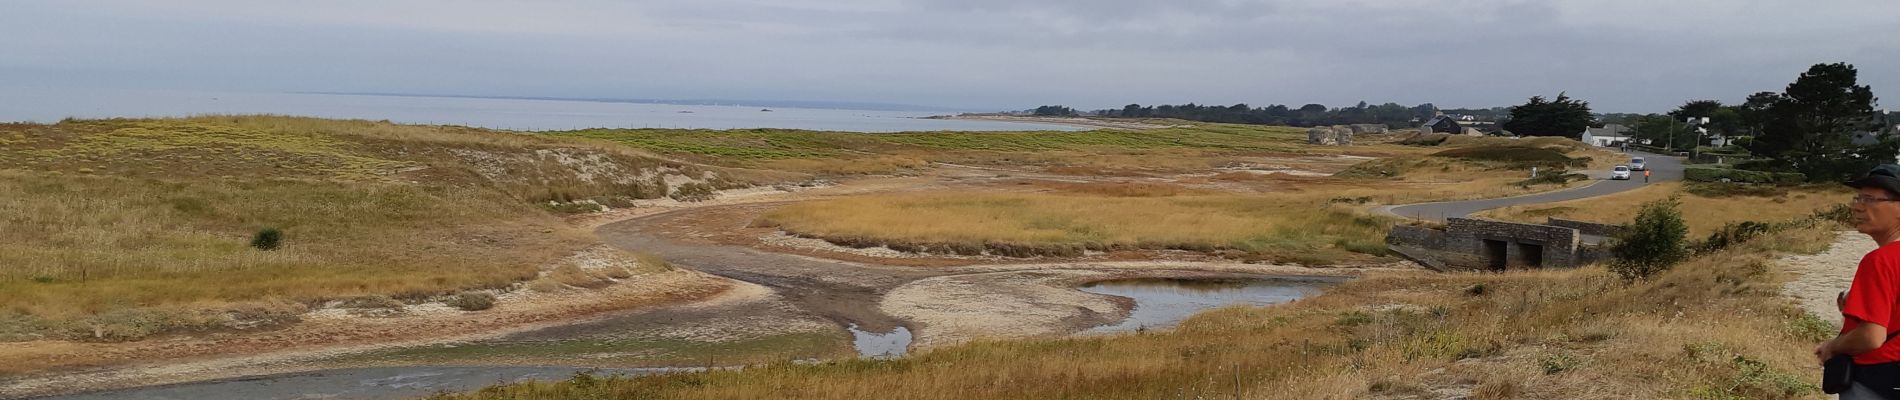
column 1606, row 136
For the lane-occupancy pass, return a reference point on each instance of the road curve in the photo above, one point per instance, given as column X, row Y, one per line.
column 1665, row 168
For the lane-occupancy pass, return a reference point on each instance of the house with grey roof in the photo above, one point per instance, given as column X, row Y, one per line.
column 1608, row 135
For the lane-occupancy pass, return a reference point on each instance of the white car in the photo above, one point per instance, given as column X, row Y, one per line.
column 1636, row 164
column 1620, row 173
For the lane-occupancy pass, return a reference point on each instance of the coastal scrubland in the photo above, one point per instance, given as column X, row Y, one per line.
column 1285, row 213
column 1706, row 207
column 844, row 153
column 1714, row 327
column 124, row 228
column 129, row 229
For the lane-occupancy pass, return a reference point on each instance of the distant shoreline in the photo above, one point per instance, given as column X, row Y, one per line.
column 1064, row 121
column 807, row 104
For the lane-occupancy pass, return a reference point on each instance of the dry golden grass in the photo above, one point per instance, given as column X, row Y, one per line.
column 1295, row 229
column 1714, row 327
column 144, row 224
column 1704, row 214
column 76, row 246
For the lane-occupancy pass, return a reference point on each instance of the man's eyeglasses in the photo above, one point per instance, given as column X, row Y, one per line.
column 1869, row 200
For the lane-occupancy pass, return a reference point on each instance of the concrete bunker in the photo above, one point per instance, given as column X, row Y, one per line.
column 1483, row 245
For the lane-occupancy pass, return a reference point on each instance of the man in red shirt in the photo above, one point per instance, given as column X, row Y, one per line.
column 1869, row 306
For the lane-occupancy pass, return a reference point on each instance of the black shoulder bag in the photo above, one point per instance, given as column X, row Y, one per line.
column 1840, row 373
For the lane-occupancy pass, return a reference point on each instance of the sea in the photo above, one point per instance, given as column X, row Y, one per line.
column 48, row 106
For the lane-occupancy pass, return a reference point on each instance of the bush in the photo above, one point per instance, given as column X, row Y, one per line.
column 1765, row 165
column 1716, row 174
column 1653, row 243
column 1725, row 189
column 694, row 192
column 268, row 239
column 472, row 301
column 1516, row 156
column 1732, row 234
column 1556, row 177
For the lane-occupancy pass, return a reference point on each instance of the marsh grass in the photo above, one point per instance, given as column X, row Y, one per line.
column 846, row 153
column 1714, row 327
column 1039, row 224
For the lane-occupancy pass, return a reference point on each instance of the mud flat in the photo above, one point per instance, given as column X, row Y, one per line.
column 357, row 383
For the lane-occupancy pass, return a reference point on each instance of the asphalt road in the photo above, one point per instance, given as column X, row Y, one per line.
column 1664, row 169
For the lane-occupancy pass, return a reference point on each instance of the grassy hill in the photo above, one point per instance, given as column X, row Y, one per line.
column 124, row 228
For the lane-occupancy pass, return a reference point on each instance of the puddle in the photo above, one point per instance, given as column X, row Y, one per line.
column 1164, row 303
column 891, row 344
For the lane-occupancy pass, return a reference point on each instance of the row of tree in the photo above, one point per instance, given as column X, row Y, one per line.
column 1391, row 114
column 1810, row 127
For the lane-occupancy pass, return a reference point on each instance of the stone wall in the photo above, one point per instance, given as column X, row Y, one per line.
column 1473, row 244
column 1420, row 244
column 1589, row 254
column 1587, row 228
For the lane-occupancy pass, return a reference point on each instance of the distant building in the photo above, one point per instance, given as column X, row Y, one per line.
column 1443, row 124
column 1608, row 135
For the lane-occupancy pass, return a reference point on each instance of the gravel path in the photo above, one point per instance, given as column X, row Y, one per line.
column 1819, row 277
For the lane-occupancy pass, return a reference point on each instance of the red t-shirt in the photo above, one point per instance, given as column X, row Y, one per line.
column 1872, row 298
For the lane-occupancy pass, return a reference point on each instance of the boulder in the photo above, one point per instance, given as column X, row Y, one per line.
column 1342, row 135
column 1321, row 136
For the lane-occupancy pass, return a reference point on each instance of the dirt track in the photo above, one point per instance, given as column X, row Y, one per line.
column 1819, row 277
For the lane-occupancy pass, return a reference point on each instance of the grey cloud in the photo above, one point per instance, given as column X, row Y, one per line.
column 1623, row 55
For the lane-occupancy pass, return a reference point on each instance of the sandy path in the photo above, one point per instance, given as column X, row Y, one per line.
column 1819, row 277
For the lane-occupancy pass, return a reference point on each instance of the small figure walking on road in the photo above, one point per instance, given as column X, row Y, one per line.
column 1645, row 175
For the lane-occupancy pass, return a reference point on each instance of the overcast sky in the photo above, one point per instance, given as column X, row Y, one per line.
column 1621, row 55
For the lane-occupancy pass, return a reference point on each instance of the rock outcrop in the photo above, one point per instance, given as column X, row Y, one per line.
column 1336, row 135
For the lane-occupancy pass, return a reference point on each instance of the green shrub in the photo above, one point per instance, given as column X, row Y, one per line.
column 1732, row 234
column 1728, row 189
column 1557, row 177
column 472, row 301
column 1559, row 362
column 694, row 192
column 571, row 208
column 1653, row 243
column 1810, row 328
column 1765, row 165
column 1516, row 156
column 268, row 239
column 1718, row 174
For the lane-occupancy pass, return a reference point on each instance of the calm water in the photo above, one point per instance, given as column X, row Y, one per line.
column 534, row 115
column 1164, row 303
column 895, row 343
